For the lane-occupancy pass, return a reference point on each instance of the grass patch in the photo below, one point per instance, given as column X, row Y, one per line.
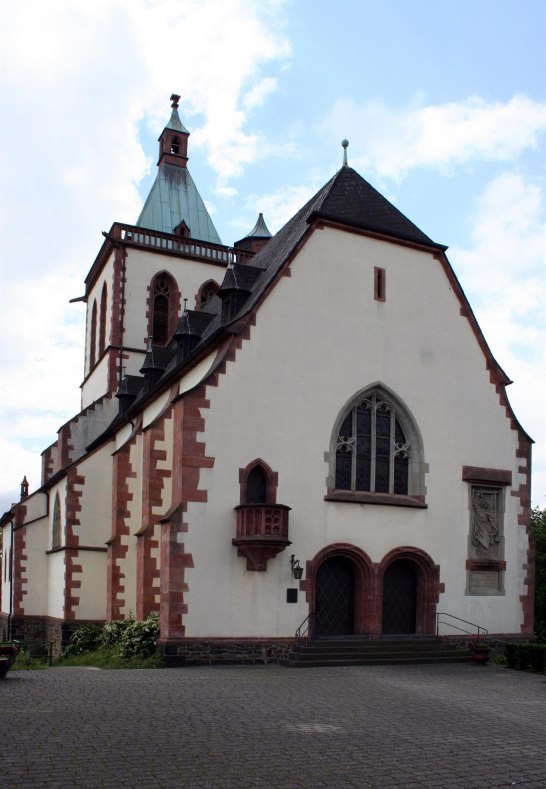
column 498, row 660
column 25, row 662
column 109, row 658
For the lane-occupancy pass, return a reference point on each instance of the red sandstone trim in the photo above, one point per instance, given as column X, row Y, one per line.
column 148, row 572
column 175, row 299
column 72, row 568
column 369, row 585
column 117, row 545
column 478, row 474
column 20, row 558
column 271, row 477
column 523, row 493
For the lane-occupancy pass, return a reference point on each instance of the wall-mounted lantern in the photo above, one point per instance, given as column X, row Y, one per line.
column 297, row 570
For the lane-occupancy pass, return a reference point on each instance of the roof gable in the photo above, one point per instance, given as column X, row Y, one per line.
column 351, row 200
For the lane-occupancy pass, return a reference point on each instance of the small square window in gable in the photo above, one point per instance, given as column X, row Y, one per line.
column 379, row 284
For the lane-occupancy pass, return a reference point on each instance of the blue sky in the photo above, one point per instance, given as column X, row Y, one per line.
column 443, row 103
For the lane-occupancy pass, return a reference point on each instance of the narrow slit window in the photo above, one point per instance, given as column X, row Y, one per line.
column 379, row 284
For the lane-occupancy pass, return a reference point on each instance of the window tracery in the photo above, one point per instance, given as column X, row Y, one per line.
column 372, row 451
column 206, row 293
column 160, row 326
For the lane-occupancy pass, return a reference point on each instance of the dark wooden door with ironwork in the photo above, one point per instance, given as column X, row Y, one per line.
column 335, row 598
column 400, row 598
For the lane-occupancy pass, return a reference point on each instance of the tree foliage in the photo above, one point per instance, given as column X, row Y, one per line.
column 538, row 527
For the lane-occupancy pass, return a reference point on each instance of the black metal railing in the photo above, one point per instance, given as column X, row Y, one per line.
column 37, row 650
column 306, row 627
column 480, row 630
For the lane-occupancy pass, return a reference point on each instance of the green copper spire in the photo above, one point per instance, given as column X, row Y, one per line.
column 174, row 198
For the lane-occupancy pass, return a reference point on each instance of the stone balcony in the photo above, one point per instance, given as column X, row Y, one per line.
column 262, row 533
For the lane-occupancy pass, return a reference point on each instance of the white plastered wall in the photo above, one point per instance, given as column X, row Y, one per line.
column 142, row 266
column 93, row 531
column 56, row 560
column 319, row 339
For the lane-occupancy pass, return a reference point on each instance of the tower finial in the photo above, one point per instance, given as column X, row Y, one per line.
column 174, row 101
column 345, row 145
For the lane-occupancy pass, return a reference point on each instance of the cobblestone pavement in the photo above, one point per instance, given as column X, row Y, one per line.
column 240, row 727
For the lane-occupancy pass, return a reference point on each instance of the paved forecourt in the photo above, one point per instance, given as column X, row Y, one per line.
column 445, row 726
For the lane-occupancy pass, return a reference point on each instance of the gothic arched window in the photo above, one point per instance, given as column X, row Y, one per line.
column 93, row 336
column 102, row 320
column 162, row 296
column 258, row 483
column 206, row 292
column 163, row 307
column 256, row 486
column 376, row 448
column 56, row 532
column 372, row 452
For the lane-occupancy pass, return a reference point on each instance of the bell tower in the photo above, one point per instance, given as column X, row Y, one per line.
column 173, row 142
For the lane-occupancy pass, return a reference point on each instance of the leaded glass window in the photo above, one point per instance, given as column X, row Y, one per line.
column 160, row 330
column 56, row 533
column 372, row 451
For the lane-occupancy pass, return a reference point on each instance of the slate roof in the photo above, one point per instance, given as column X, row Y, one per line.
column 346, row 199
column 352, row 200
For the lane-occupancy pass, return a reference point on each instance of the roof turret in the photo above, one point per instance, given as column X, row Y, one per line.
column 257, row 238
column 174, row 200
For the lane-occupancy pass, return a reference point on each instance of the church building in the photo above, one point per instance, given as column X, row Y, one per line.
column 300, row 433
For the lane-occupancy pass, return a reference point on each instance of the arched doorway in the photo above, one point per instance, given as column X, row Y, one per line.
column 400, row 583
column 335, row 598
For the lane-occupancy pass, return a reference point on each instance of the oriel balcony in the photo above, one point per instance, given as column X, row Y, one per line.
column 262, row 533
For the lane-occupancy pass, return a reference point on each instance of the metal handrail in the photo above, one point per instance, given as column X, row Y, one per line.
column 308, row 622
column 481, row 630
column 31, row 647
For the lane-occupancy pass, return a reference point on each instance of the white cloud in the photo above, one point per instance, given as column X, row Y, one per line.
column 77, row 80
column 390, row 142
column 281, row 205
column 503, row 273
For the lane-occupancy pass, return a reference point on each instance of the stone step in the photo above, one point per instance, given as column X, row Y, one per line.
column 363, row 653
column 371, row 646
column 366, row 652
column 376, row 661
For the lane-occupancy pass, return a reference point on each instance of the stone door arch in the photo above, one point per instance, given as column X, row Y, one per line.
column 409, row 572
column 340, row 583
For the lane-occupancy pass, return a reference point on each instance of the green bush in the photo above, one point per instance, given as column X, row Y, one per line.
column 124, row 638
column 526, row 656
column 113, row 632
column 139, row 638
column 85, row 639
column 511, row 652
column 538, row 657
